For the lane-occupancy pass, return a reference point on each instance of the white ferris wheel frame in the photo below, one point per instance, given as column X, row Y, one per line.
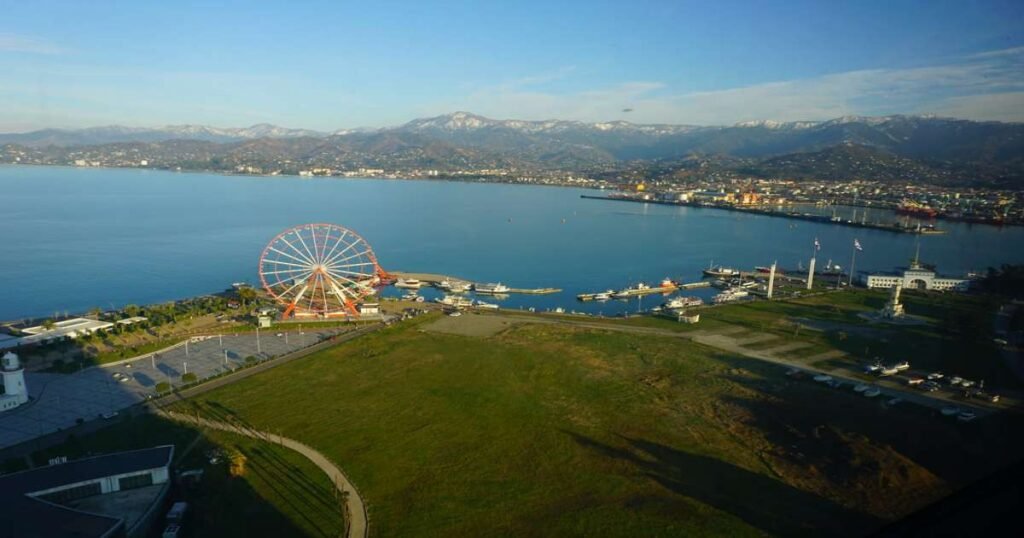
column 319, row 270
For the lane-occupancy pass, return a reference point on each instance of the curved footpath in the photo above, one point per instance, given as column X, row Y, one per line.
column 355, row 509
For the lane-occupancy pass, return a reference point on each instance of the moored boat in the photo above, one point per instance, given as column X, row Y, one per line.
column 490, row 288
column 408, row 283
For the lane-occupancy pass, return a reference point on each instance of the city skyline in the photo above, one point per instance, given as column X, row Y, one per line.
column 328, row 67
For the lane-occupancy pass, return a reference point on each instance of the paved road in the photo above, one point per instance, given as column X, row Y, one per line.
column 357, row 525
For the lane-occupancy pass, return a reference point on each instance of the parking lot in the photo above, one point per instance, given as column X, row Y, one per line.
column 60, row 400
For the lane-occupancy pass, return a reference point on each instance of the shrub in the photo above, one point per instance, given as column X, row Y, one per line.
column 236, row 465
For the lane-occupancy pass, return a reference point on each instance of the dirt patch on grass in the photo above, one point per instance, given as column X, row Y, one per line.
column 470, row 325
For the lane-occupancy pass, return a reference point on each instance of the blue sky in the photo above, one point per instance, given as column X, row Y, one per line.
column 332, row 65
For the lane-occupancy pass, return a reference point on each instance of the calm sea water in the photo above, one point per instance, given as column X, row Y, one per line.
column 78, row 238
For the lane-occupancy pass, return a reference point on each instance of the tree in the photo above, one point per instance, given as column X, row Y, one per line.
column 189, row 378
column 132, row 310
column 96, row 312
column 49, row 324
column 163, row 387
column 246, row 294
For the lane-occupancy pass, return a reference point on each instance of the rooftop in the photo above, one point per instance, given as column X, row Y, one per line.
column 23, row 515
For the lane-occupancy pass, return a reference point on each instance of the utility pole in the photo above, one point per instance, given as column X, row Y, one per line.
column 258, row 350
column 771, row 279
column 185, row 365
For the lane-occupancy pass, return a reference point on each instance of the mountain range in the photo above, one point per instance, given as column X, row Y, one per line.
column 942, row 149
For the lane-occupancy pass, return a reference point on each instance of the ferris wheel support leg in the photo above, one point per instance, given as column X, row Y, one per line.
column 351, row 307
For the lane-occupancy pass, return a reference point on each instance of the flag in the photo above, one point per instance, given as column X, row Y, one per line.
column 817, row 245
column 856, row 245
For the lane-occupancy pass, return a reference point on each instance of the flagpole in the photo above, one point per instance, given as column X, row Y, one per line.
column 853, row 261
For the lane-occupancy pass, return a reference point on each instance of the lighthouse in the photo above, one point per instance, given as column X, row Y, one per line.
column 13, row 391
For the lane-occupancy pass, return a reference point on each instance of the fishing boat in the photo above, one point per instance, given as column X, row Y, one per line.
column 720, row 271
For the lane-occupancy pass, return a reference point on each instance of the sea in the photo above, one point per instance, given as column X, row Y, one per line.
column 78, row 238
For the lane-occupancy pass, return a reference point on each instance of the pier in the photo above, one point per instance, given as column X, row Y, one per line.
column 434, row 279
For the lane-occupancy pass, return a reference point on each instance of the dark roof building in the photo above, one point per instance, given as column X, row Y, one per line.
column 37, row 503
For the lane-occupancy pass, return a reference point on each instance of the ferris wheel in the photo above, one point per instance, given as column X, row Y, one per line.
column 319, row 270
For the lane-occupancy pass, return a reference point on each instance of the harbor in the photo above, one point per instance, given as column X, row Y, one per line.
column 896, row 227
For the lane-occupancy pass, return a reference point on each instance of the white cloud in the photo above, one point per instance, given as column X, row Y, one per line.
column 980, row 86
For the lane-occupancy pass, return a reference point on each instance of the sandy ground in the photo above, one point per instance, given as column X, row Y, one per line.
column 470, row 325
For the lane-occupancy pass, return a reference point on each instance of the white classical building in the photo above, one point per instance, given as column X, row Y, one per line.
column 13, row 391
column 916, row 277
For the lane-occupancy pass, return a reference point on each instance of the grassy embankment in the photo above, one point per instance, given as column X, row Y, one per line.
column 280, row 494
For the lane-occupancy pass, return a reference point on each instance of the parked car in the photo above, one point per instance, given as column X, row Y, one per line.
column 915, row 381
column 935, row 375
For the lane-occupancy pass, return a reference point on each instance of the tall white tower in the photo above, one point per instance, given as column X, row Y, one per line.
column 12, row 375
column 771, row 280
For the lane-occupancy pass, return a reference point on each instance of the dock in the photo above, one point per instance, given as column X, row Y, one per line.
column 534, row 291
column 633, row 292
column 433, row 280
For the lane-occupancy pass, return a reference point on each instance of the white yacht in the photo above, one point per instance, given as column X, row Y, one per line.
column 683, row 302
column 408, row 283
column 490, row 288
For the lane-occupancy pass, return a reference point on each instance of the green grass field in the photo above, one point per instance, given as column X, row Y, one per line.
column 548, row 430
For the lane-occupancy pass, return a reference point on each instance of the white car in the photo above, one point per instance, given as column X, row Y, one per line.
column 935, row 375
column 455, row 314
